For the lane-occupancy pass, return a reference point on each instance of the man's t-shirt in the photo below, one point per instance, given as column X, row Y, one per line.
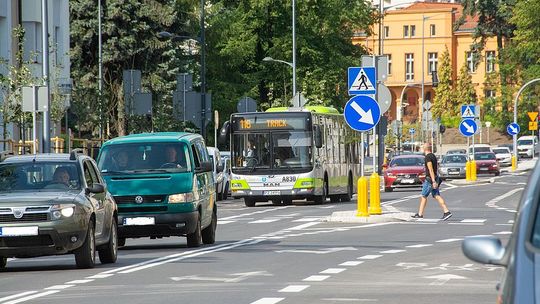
column 430, row 157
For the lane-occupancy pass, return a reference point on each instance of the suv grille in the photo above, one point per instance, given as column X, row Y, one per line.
column 130, row 199
column 28, row 217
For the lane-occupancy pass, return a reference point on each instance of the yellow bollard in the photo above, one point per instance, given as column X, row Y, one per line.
column 468, row 171
column 362, row 204
column 375, row 194
column 473, row 170
column 514, row 163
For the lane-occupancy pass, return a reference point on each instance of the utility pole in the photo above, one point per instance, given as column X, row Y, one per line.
column 203, row 74
column 45, row 50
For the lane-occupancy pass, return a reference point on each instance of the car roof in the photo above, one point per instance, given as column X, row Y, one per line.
column 152, row 137
column 43, row 157
column 408, row 156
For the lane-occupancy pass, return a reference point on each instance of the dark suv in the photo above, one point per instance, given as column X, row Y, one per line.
column 56, row 204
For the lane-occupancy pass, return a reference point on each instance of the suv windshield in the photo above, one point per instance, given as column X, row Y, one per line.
column 144, row 157
column 45, row 176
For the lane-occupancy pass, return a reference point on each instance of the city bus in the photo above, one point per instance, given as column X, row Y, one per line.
column 283, row 155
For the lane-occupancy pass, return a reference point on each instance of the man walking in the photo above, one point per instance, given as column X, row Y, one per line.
column 431, row 185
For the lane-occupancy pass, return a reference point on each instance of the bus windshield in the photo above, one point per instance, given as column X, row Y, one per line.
column 281, row 149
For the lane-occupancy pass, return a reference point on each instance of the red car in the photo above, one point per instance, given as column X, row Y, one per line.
column 486, row 163
column 404, row 171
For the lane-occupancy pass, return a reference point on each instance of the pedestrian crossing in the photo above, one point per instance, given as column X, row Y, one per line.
column 272, row 219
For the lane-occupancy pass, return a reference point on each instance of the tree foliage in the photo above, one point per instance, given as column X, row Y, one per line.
column 444, row 101
column 465, row 92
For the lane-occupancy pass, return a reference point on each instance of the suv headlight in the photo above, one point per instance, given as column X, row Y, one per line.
column 62, row 210
column 181, row 198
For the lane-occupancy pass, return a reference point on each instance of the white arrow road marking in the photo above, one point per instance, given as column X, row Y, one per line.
column 365, row 117
column 239, row 277
column 470, row 129
column 443, row 278
column 324, row 251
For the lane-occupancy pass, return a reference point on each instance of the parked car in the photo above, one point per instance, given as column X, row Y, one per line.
column 527, row 146
column 404, row 171
column 503, row 155
column 456, row 151
column 453, row 166
column 217, row 169
column 56, row 204
column 166, row 188
column 519, row 282
column 486, row 163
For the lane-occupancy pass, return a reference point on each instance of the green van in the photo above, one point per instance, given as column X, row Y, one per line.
column 163, row 186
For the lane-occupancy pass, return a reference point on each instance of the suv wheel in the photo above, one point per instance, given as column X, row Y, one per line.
column 195, row 239
column 209, row 233
column 85, row 256
column 108, row 253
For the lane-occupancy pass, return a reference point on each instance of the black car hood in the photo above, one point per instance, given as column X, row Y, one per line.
column 36, row 198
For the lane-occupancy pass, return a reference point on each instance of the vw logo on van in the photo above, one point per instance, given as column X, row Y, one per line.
column 139, row 199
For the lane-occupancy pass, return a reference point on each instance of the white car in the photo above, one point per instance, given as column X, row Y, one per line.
column 218, row 172
column 527, row 146
column 503, row 155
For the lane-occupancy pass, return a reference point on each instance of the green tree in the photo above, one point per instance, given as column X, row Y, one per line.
column 444, row 101
column 465, row 93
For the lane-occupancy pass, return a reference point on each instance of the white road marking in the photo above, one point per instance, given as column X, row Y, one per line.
column 428, row 220
column 220, row 222
column 333, row 270
column 503, row 232
column 493, row 203
column 327, row 207
column 268, row 301
column 238, row 277
column 474, row 220
column 323, row 251
column 22, row 294
column 31, row 297
column 510, row 221
column 501, row 208
column 79, row 281
column 316, row 278
column 253, row 213
column 56, row 287
column 354, row 300
column 309, row 219
column 303, row 226
column 294, row 288
column 370, row 257
column 393, row 251
column 264, row 221
column 511, row 211
column 443, row 278
column 351, row 263
column 448, row 240
column 419, row 246
column 504, row 224
column 100, row 276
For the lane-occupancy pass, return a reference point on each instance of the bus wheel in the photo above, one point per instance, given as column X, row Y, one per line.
column 276, row 202
column 334, row 198
column 348, row 197
column 320, row 199
column 287, row 201
column 249, row 202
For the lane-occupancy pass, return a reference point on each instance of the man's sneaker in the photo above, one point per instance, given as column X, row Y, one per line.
column 446, row 216
column 417, row 216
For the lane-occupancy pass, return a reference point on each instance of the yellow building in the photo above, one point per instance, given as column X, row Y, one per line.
column 414, row 38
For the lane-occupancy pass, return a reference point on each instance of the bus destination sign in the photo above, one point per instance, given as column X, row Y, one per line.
column 269, row 123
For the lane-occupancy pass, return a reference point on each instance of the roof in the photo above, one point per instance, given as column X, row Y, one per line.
column 150, row 137
column 39, row 157
column 426, row 6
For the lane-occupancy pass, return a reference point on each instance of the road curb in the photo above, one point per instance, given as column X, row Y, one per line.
column 350, row 217
column 465, row 182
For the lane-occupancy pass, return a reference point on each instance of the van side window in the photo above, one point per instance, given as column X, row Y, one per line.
column 196, row 160
column 203, row 153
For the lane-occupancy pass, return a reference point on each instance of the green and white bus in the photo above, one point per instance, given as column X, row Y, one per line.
column 282, row 155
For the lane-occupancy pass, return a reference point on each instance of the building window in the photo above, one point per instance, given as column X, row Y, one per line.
column 405, row 31
column 432, row 63
column 386, row 31
column 490, row 61
column 471, row 66
column 432, row 30
column 389, row 64
column 413, row 30
column 409, row 66
column 489, row 93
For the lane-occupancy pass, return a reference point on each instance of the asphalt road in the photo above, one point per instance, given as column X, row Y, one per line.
column 289, row 254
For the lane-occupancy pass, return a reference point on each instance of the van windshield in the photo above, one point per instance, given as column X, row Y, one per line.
column 144, row 157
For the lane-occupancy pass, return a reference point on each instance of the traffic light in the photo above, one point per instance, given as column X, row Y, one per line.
column 442, row 129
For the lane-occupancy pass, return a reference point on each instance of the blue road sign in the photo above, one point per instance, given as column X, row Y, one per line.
column 411, row 131
column 468, row 127
column 362, row 113
column 362, row 81
column 468, row 111
column 512, row 128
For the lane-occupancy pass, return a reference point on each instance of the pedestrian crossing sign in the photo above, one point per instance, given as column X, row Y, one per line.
column 467, row 111
column 362, row 81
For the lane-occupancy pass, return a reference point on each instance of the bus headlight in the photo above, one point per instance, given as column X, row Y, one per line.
column 181, row 198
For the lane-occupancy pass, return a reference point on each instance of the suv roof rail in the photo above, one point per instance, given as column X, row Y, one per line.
column 75, row 152
column 6, row 154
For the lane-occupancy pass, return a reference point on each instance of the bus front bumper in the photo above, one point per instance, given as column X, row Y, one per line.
column 269, row 194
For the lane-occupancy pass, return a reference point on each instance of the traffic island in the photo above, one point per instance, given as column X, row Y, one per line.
column 385, row 217
column 464, row 182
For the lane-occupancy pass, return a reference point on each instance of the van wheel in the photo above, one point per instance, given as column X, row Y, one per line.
column 121, row 242
column 249, row 202
column 85, row 256
column 276, row 202
column 3, row 262
column 108, row 253
column 287, row 201
column 209, row 233
column 195, row 239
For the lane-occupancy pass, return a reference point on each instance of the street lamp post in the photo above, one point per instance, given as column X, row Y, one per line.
column 424, row 18
column 100, row 74
column 270, row 59
column 294, row 51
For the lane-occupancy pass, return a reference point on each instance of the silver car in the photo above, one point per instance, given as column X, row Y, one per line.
column 519, row 283
column 453, row 166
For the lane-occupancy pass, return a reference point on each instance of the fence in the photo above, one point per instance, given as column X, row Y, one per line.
column 58, row 145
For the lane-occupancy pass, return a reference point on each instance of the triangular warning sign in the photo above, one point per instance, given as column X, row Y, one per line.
column 362, row 82
column 468, row 112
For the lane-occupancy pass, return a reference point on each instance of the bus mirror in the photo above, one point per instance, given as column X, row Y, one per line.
column 317, row 136
column 224, row 132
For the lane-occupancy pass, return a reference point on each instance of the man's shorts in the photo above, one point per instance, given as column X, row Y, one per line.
column 427, row 188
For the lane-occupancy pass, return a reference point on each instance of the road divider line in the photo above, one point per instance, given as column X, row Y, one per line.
column 419, row 246
column 253, row 213
column 22, row 294
column 294, row 288
column 34, row 296
column 393, row 251
column 448, row 240
column 333, row 271
column 503, row 232
column 100, row 276
column 370, row 257
column 59, row 287
column 268, row 301
column 79, row 281
column 351, row 263
column 316, row 278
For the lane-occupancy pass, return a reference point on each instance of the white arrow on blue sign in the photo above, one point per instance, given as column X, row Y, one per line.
column 468, row 127
column 362, row 113
column 362, row 80
column 513, row 128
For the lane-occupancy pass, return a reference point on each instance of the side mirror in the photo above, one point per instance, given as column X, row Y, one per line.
column 484, row 249
column 205, row 167
column 317, row 136
column 96, row 188
column 224, row 133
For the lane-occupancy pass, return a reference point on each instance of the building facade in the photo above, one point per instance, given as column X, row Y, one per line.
column 27, row 13
column 414, row 38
